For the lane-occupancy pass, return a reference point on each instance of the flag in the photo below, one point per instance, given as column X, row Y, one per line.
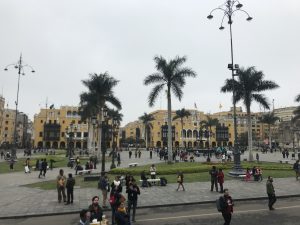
column 195, row 105
column 51, row 106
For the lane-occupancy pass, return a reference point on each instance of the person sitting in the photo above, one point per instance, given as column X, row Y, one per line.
column 144, row 179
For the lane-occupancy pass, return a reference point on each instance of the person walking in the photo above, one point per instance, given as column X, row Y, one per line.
column 227, row 207
column 133, row 191
column 44, row 167
column 257, row 157
column 180, row 180
column 213, row 178
column 60, row 185
column 151, row 153
column 271, row 192
column 41, row 167
column 118, row 159
column 220, row 178
column 105, row 188
column 70, row 189
column 2, row 154
column 296, row 168
column 130, row 153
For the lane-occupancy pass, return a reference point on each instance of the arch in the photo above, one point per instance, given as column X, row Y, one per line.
column 213, row 144
column 84, row 145
column 69, row 113
column 184, row 144
column 176, row 144
column 40, row 144
column 165, row 144
column 189, row 134
column 195, row 144
column 195, row 134
column 158, row 144
column 206, row 144
column 74, row 113
column 48, row 144
column 224, row 143
column 55, row 145
column 78, row 145
column 71, row 144
column 62, row 145
column 219, row 144
column 183, row 135
column 190, row 144
column 230, row 143
column 201, row 144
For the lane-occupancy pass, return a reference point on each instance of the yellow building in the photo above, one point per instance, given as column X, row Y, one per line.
column 2, row 102
column 193, row 134
column 8, row 126
column 59, row 128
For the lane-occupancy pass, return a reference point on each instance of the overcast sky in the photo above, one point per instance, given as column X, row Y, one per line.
column 66, row 40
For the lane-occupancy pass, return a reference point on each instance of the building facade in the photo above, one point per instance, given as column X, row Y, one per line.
column 59, row 128
column 2, row 103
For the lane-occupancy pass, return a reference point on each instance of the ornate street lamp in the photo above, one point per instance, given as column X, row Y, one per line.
column 115, row 125
column 21, row 70
column 104, row 127
column 229, row 8
column 94, row 123
column 70, row 135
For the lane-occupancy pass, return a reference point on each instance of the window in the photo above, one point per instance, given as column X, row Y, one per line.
column 42, row 121
column 41, row 134
column 62, row 134
column 63, row 122
column 7, row 115
column 6, row 122
column 85, row 134
column 54, row 121
column 6, row 128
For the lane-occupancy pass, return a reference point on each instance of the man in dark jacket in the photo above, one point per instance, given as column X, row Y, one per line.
column 95, row 209
column 213, row 178
column 133, row 192
column 271, row 192
column 70, row 189
column 227, row 207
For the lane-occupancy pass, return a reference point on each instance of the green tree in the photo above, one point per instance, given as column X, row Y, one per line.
column 180, row 114
column 171, row 75
column 146, row 119
column 296, row 112
column 100, row 92
column 208, row 124
column 270, row 119
column 248, row 88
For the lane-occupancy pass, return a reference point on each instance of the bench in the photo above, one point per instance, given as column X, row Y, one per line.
column 284, row 160
column 81, row 172
column 132, row 164
column 156, row 181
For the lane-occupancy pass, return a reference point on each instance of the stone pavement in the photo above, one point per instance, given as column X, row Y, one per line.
column 17, row 201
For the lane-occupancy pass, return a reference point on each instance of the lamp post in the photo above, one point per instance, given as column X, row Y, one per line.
column 229, row 8
column 114, row 134
column 94, row 123
column 104, row 127
column 70, row 134
column 21, row 70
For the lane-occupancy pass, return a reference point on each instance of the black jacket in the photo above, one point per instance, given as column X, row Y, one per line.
column 133, row 193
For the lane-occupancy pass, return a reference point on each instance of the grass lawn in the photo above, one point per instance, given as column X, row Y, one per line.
column 60, row 161
column 197, row 172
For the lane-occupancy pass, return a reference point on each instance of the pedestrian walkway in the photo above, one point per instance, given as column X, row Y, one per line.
column 17, row 200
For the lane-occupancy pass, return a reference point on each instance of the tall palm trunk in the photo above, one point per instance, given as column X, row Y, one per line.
column 181, row 121
column 99, row 135
column 270, row 140
column 169, row 127
column 146, row 137
column 249, row 134
column 90, row 136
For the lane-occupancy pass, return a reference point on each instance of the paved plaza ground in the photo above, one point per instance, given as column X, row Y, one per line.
column 17, row 200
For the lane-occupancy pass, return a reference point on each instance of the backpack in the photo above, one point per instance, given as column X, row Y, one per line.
column 112, row 199
column 220, row 203
column 103, row 183
column 163, row 181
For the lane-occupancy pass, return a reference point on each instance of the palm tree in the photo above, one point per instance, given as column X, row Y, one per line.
column 87, row 111
column 208, row 124
column 100, row 91
column 180, row 114
column 248, row 88
column 146, row 119
column 269, row 119
column 297, row 111
column 172, row 76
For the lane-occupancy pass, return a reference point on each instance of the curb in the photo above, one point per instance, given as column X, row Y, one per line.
column 144, row 207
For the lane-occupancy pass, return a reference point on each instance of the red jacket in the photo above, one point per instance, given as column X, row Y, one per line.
column 220, row 177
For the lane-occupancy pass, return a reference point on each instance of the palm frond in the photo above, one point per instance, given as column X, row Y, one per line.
column 154, row 78
column 154, row 93
column 297, row 98
column 177, row 91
